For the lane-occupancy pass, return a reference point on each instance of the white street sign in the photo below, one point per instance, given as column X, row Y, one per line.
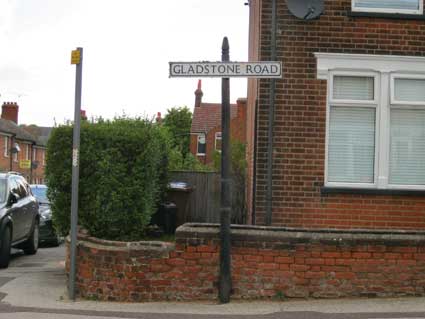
column 226, row 69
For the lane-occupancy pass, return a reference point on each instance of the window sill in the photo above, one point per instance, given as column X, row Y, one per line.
column 326, row 190
column 402, row 16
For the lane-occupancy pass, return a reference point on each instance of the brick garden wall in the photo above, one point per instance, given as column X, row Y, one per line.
column 300, row 118
column 267, row 263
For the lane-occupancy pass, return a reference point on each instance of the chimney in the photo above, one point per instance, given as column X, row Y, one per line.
column 158, row 118
column 198, row 94
column 241, row 104
column 83, row 115
column 9, row 111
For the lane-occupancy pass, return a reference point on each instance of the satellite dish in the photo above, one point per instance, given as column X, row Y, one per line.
column 305, row 9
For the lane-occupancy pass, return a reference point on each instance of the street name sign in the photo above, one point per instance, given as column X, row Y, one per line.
column 226, row 69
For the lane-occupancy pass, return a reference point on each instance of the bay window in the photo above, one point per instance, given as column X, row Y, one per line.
column 375, row 136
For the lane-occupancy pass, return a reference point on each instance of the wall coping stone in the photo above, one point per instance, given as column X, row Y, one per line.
column 266, row 234
column 93, row 242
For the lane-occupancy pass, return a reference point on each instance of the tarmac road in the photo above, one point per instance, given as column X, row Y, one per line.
column 34, row 287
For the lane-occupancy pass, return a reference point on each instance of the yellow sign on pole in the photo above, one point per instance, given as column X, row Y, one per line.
column 25, row 164
column 75, row 57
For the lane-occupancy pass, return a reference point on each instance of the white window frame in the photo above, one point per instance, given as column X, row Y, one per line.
column 197, row 144
column 405, row 105
column 354, row 8
column 217, row 137
column 27, row 151
column 34, row 154
column 395, row 76
column 6, row 141
column 43, row 156
column 354, row 104
column 385, row 69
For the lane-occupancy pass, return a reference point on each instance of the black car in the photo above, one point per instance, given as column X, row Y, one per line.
column 47, row 232
column 19, row 217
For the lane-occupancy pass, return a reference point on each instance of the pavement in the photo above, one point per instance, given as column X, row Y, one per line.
column 35, row 287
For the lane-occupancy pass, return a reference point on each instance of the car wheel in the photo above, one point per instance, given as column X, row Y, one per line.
column 31, row 245
column 5, row 248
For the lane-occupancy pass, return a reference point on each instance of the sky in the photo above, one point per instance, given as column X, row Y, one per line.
column 127, row 47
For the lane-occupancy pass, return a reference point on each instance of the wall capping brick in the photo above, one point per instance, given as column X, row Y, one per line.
column 283, row 234
column 139, row 246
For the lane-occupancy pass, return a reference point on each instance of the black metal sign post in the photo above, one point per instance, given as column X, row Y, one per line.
column 225, row 282
column 225, row 70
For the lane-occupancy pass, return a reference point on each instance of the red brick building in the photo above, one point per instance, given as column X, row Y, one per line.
column 22, row 148
column 348, row 142
column 205, row 132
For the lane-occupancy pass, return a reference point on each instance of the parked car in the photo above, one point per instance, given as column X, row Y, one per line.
column 48, row 233
column 19, row 217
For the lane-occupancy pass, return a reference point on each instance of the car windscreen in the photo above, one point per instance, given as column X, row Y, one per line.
column 3, row 189
column 40, row 194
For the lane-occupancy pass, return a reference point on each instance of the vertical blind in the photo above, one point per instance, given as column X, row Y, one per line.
column 409, row 90
column 407, row 147
column 351, row 150
column 388, row 4
column 353, row 88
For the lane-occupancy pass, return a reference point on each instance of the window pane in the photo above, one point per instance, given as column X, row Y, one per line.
column 353, row 88
column 388, row 4
column 409, row 90
column 351, row 152
column 218, row 141
column 201, row 144
column 407, row 148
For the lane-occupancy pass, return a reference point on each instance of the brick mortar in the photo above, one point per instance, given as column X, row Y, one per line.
column 266, row 263
column 299, row 145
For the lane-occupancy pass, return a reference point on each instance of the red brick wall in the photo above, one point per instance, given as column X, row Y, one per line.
column 5, row 161
column 266, row 263
column 300, row 119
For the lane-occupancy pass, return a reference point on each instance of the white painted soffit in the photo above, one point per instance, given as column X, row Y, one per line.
column 366, row 62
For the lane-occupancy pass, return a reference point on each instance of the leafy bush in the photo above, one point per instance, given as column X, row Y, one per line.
column 238, row 174
column 189, row 162
column 123, row 174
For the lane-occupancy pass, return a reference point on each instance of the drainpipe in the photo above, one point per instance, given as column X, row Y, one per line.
column 269, row 195
column 31, row 165
column 254, row 182
column 12, row 142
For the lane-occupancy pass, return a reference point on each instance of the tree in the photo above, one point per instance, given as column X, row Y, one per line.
column 178, row 121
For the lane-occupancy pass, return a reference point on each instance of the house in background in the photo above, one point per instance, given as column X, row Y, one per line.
column 348, row 142
column 205, row 132
column 22, row 148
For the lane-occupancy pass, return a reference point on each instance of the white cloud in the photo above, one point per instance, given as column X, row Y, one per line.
column 127, row 46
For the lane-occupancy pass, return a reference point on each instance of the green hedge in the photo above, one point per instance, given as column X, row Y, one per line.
column 123, row 174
